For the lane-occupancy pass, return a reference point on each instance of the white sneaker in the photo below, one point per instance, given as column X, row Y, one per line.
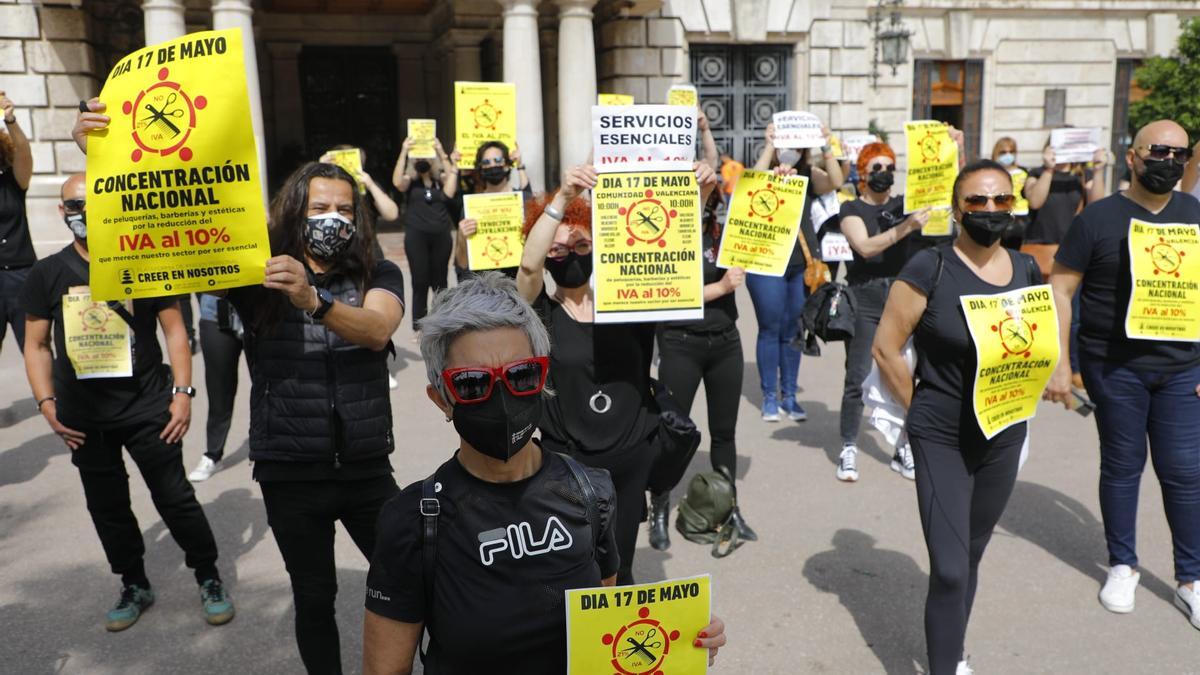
column 204, row 470
column 848, row 463
column 1117, row 594
column 1187, row 599
column 964, row 668
column 392, row 383
column 903, row 464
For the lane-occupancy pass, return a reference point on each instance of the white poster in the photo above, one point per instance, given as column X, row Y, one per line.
column 643, row 138
column 1074, row 145
column 798, row 129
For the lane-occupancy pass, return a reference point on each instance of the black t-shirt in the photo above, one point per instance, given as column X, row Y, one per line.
column 428, row 208
column 489, row 606
column 719, row 314
column 100, row 403
column 16, row 247
column 878, row 218
column 597, row 367
column 942, row 407
column 1098, row 246
column 1049, row 224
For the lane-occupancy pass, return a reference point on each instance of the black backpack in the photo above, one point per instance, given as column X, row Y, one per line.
column 828, row 314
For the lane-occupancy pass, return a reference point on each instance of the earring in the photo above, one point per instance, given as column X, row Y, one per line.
column 449, row 418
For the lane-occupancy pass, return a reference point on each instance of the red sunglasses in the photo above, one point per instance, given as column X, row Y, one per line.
column 473, row 384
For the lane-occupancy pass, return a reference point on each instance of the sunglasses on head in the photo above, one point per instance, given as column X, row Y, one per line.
column 473, row 384
column 74, row 205
column 1162, row 152
column 883, row 167
column 581, row 247
column 1003, row 201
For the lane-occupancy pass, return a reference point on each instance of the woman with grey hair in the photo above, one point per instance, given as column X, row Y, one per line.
column 481, row 552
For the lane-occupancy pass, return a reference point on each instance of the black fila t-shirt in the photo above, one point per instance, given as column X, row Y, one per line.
column 506, row 555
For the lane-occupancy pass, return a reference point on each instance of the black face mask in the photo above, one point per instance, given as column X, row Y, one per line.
column 985, row 227
column 421, row 165
column 500, row 426
column 571, row 271
column 495, row 175
column 1160, row 176
column 880, row 181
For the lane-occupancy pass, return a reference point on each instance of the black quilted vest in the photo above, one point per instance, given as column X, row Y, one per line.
column 315, row 397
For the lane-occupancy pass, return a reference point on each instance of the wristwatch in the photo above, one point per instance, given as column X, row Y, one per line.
column 190, row 391
column 324, row 303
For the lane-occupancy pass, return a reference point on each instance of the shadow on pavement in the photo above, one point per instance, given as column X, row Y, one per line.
column 27, row 460
column 403, row 356
column 1066, row 529
column 883, row 590
column 17, row 412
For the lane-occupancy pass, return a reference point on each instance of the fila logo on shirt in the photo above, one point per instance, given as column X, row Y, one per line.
column 518, row 540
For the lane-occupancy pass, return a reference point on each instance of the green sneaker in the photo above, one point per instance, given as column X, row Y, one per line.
column 218, row 608
column 134, row 600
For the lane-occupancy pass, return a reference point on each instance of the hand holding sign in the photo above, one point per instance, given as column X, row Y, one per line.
column 89, row 120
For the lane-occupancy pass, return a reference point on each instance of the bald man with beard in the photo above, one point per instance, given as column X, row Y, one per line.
column 1143, row 382
column 102, row 388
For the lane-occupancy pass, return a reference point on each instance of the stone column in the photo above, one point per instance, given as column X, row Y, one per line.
column 522, row 67
column 576, row 81
column 163, row 20
column 239, row 14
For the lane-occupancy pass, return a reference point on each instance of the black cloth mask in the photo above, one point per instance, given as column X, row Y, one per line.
column 986, row 227
column 500, row 426
column 422, row 166
column 495, row 175
column 880, row 181
column 1160, row 176
column 570, row 271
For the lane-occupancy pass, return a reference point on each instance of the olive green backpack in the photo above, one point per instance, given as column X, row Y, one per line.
column 706, row 513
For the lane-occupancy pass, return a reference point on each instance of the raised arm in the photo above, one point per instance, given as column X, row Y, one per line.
column 905, row 305
column 764, row 158
column 827, row 177
column 515, row 158
column 383, row 203
column 1096, row 186
column 533, row 260
column 22, row 159
column 707, row 142
column 86, row 122
column 401, row 175
column 1037, row 191
column 449, row 172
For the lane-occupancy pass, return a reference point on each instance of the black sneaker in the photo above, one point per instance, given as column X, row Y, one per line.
column 133, row 601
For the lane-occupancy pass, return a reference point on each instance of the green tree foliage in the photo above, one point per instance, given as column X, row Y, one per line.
column 1174, row 85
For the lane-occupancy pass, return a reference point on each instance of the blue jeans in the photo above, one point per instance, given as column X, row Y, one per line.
column 1131, row 405
column 778, row 304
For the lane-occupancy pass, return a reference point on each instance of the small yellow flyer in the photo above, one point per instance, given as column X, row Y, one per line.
column 1019, row 176
column 497, row 241
column 483, row 111
column 99, row 343
column 932, row 168
column 647, row 629
column 422, row 132
column 350, row 159
column 1016, row 350
column 682, row 94
column 1164, row 264
column 762, row 222
column 614, row 99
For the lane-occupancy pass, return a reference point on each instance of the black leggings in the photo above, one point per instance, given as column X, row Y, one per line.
column 716, row 358
column 961, row 495
column 221, row 349
column 302, row 516
column 428, row 259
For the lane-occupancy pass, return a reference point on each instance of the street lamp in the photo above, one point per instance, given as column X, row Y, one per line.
column 891, row 40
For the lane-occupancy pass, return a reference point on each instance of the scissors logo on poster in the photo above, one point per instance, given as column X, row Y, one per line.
column 765, row 202
column 485, row 115
column 641, row 646
column 1016, row 336
column 930, row 147
column 1165, row 258
column 496, row 249
column 163, row 117
column 647, row 220
column 94, row 317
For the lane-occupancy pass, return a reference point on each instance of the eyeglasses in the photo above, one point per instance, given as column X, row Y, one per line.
column 495, row 161
column 581, row 247
column 73, row 206
column 473, row 384
column 1003, row 201
column 1161, row 152
column 883, row 167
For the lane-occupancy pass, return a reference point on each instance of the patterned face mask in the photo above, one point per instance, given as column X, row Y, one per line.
column 328, row 234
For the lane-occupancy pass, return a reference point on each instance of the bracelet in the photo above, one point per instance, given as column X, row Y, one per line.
column 12, row 121
column 553, row 212
column 521, row 168
column 48, row 398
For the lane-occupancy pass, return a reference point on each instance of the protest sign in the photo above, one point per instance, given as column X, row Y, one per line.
column 1019, row 176
column 835, row 147
column 856, row 142
column 836, row 248
column 99, row 342
column 797, row 129
column 483, row 111
column 646, row 247
column 1164, row 265
column 422, row 132
column 682, row 94
column 1016, row 347
column 497, row 241
column 350, row 159
column 643, row 138
column 1074, row 144
column 175, row 202
column 932, row 168
column 762, row 222
column 641, row 629
column 614, row 99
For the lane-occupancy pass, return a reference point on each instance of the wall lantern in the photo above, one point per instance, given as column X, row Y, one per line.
column 891, row 38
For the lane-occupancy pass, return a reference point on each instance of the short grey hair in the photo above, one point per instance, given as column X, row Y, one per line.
column 485, row 302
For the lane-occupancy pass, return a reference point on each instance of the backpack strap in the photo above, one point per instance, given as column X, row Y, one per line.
column 430, row 509
column 937, row 275
column 728, row 539
column 591, row 503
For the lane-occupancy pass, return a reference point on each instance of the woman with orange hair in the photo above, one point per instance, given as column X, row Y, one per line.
column 874, row 225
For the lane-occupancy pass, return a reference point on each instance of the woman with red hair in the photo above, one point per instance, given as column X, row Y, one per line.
column 874, row 225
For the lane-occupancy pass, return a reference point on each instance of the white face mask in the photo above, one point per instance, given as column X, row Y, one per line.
column 1007, row 159
column 787, row 156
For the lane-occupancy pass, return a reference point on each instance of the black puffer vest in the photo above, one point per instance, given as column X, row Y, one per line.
column 315, row 397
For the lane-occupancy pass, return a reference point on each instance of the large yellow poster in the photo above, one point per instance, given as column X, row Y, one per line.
column 614, row 99
column 1016, row 350
column 98, row 341
column 483, row 111
column 682, row 94
column 646, row 237
column 932, row 168
column 1164, row 264
column 647, row 629
column 174, row 197
column 762, row 222
column 497, row 241
column 422, row 133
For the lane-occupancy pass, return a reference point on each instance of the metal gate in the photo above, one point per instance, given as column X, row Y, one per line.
column 740, row 88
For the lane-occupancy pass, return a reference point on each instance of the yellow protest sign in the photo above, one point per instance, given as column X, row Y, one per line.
column 762, row 222
column 350, row 159
column 932, row 168
column 98, row 341
column 422, row 132
column 1019, row 176
column 614, row 99
column 639, row 630
column 682, row 94
column 483, row 111
column 646, row 239
column 835, row 147
column 497, row 240
column 1016, row 350
column 175, row 203
column 1164, row 264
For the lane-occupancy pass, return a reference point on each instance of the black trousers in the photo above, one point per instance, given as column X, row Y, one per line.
column 302, row 516
column 869, row 299
column 961, row 493
column 106, row 487
column 11, row 313
column 687, row 358
column 429, row 259
column 221, row 349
